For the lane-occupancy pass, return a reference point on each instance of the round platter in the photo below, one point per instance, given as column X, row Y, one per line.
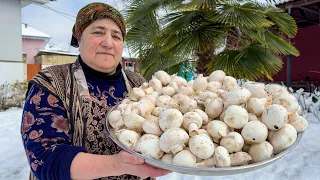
column 197, row 170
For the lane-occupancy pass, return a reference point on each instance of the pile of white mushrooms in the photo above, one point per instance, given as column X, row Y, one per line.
column 207, row 122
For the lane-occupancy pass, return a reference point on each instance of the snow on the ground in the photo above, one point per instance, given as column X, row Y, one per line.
column 303, row 163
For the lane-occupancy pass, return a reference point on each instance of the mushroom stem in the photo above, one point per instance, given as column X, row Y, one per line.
column 192, row 128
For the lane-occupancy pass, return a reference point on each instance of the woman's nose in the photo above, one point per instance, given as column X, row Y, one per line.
column 107, row 42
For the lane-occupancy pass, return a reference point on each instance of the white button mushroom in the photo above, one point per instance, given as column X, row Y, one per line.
column 201, row 146
column 214, row 107
column 170, row 118
column 204, row 116
column 200, row 83
column 217, row 129
column 115, row 120
column 163, row 77
column 300, row 125
column 276, row 89
column 157, row 110
column 261, row 152
column 293, row 117
column 184, row 158
column 167, row 158
column 257, row 106
column 180, row 81
column 163, row 101
column 151, row 125
column 253, row 117
column 240, row 158
column 173, row 140
column 233, row 142
column 149, row 145
column 192, row 121
column 127, row 137
column 236, row 116
column 229, row 83
column 288, row 101
column 214, row 86
column 155, row 84
column 136, row 93
column 217, row 75
column 284, row 138
column 206, row 163
column 174, row 86
column 254, row 132
column 186, row 90
column 222, row 157
column 167, row 90
column 133, row 122
column 236, row 96
column 256, row 89
column 275, row 117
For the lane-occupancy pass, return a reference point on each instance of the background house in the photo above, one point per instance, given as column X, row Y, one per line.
column 303, row 71
column 11, row 61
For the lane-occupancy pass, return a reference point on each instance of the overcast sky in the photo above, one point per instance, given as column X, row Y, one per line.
column 56, row 25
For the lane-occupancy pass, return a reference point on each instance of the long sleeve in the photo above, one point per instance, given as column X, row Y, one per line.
column 45, row 135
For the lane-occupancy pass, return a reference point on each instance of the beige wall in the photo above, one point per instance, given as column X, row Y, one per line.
column 47, row 60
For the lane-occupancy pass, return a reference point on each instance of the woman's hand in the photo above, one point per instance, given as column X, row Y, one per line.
column 127, row 163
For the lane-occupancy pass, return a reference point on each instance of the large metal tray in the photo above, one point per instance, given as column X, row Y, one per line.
column 197, row 170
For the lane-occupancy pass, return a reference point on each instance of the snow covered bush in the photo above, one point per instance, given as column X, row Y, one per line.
column 12, row 95
column 310, row 102
column 4, row 95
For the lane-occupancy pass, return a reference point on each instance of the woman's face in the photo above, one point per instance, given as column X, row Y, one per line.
column 101, row 45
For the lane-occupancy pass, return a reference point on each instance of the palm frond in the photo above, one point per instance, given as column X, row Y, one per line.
column 235, row 14
column 252, row 62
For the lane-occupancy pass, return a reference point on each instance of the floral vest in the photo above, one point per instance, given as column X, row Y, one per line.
column 86, row 113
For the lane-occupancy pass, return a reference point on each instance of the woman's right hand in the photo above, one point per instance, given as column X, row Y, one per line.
column 127, row 163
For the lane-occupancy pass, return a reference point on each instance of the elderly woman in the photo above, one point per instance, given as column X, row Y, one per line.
column 62, row 125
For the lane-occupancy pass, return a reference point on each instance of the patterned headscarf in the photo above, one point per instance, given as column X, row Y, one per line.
column 92, row 12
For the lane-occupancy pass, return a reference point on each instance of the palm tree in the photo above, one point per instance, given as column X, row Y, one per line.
column 239, row 37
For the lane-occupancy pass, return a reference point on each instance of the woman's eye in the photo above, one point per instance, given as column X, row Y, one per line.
column 117, row 37
column 98, row 32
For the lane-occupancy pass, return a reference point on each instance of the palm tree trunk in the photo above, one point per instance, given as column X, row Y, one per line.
column 204, row 59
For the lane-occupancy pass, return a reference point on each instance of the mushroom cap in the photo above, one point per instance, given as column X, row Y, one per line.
column 200, row 83
column 222, row 157
column 254, row 132
column 240, row 158
column 233, row 142
column 127, row 137
column 149, row 145
column 201, row 146
column 214, row 107
column 178, row 80
column 213, row 86
column 167, row 158
column 115, row 119
column 155, row 84
column 133, row 122
column 217, row 129
column 257, row 106
column 260, row 152
column 151, row 125
column 276, row 89
column 275, row 117
column 157, row 111
column 168, row 90
column 173, row 140
column 300, row 125
column 288, row 101
column 170, row 118
column 236, row 116
column 191, row 117
column 284, row 138
column 184, row 158
column 163, row 77
column 257, row 90
column 204, row 116
column 236, row 96
column 163, row 101
column 229, row 83
column 217, row 75
column 253, row 117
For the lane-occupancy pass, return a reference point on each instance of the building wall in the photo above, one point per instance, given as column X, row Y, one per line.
column 307, row 42
column 31, row 47
column 10, row 31
column 11, row 64
column 49, row 60
column 11, row 72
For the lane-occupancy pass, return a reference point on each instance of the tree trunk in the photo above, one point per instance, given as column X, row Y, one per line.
column 203, row 60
